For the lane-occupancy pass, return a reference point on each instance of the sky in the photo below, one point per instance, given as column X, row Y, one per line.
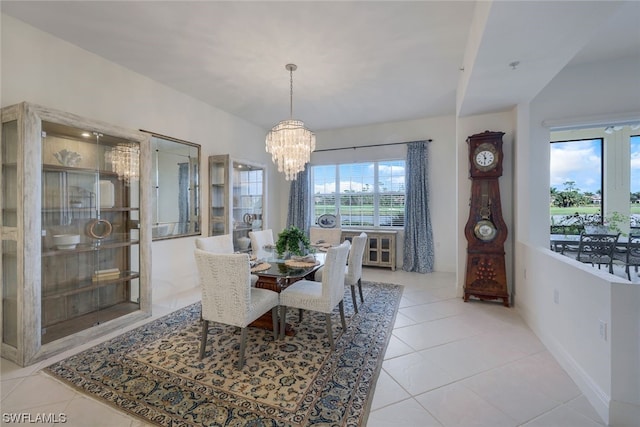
column 579, row 161
column 357, row 176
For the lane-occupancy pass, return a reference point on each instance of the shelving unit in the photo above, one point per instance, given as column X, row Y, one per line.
column 380, row 250
column 236, row 198
column 60, row 177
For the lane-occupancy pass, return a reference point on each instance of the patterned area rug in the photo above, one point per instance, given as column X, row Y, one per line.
column 154, row 372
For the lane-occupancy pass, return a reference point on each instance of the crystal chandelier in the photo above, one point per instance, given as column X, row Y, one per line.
column 289, row 142
column 125, row 161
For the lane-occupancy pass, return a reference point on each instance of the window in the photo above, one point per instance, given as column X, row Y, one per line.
column 635, row 173
column 576, row 178
column 365, row 194
column 595, row 177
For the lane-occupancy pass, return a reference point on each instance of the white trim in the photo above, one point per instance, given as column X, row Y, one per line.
column 566, row 123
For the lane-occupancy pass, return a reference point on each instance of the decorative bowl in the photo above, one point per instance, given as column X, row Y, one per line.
column 66, row 241
column 243, row 243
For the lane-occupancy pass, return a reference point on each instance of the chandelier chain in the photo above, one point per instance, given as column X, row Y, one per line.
column 291, row 93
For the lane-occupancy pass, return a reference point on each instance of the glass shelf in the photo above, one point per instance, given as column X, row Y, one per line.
column 236, row 197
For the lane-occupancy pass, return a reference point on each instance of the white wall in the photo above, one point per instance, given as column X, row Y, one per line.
column 442, row 169
column 45, row 70
column 607, row 372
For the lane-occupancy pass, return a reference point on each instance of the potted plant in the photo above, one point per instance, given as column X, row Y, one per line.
column 292, row 240
column 614, row 220
column 610, row 225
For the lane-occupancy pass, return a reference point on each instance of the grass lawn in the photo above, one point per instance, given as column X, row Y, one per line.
column 554, row 210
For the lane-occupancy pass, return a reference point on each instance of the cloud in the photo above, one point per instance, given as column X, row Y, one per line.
column 578, row 161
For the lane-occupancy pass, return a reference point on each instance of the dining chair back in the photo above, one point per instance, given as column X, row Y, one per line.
column 630, row 255
column 258, row 241
column 222, row 244
column 228, row 298
column 353, row 276
column 597, row 249
column 330, row 236
column 320, row 296
column 353, row 270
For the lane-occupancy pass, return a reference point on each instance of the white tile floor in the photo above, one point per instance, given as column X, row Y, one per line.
column 448, row 364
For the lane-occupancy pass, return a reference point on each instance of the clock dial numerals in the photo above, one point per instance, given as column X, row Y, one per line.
column 485, row 157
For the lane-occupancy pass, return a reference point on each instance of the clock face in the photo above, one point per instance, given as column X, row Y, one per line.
column 485, row 157
column 485, row 230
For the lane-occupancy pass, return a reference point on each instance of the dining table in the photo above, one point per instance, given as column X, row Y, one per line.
column 276, row 274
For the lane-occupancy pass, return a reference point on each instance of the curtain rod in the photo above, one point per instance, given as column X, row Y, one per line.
column 370, row 145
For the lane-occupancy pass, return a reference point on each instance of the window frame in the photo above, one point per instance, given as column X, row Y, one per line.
column 376, row 193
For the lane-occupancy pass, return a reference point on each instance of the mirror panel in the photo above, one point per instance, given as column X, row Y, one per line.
column 175, row 175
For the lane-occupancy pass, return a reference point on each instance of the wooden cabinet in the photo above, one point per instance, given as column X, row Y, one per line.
column 76, row 232
column 236, row 198
column 380, row 250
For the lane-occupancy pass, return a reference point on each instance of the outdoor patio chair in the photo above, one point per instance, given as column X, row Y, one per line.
column 597, row 249
column 630, row 255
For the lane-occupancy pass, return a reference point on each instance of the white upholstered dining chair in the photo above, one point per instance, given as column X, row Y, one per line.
column 222, row 244
column 228, row 298
column 258, row 241
column 353, row 270
column 320, row 296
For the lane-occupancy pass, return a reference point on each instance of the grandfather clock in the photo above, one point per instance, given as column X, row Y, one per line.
column 486, row 231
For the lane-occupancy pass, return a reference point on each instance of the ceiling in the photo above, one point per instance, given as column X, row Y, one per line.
column 359, row 62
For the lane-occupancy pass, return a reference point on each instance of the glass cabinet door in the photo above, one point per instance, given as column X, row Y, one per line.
column 9, row 250
column 218, row 194
column 236, row 199
column 90, row 216
column 247, row 201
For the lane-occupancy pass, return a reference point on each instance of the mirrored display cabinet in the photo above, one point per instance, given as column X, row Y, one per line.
column 175, row 178
column 75, row 230
column 236, row 198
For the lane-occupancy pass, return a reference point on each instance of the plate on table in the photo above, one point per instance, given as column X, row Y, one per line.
column 327, row 221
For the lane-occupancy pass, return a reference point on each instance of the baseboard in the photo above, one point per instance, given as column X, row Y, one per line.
column 624, row 414
column 598, row 398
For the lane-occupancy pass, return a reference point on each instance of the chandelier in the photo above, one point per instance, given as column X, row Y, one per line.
column 125, row 161
column 289, row 142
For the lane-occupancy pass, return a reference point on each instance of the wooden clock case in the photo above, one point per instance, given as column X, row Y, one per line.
column 485, row 276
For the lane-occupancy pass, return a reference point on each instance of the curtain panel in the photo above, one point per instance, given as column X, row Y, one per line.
column 299, row 212
column 418, row 235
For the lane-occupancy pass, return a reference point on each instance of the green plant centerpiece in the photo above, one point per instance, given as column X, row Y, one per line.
column 292, row 240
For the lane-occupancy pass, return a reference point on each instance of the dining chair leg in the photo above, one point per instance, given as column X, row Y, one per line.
column 327, row 317
column 360, row 290
column 353, row 298
column 203, row 339
column 274, row 318
column 283, row 317
column 342, row 319
column 243, row 344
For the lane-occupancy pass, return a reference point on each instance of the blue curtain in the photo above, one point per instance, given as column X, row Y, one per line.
column 299, row 213
column 418, row 235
